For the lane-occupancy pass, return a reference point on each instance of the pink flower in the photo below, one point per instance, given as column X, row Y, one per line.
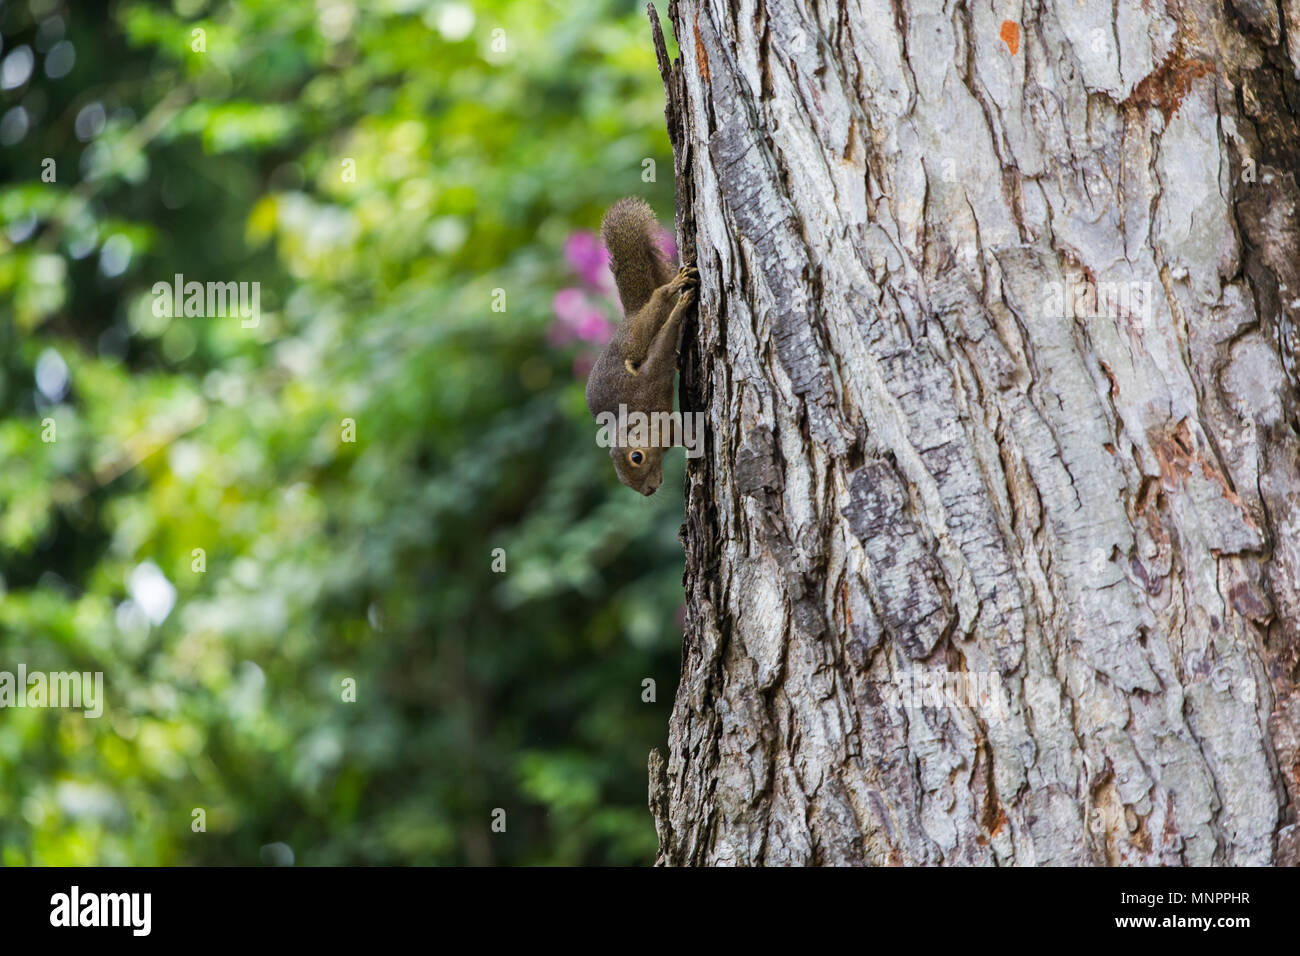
column 570, row 304
column 577, row 318
column 587, row 257
column 668, row 245
column 594, row 327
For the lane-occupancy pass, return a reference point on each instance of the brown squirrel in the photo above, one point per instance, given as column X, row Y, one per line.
column 636, row 368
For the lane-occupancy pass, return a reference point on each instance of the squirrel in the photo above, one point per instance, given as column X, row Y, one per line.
column 636, row 367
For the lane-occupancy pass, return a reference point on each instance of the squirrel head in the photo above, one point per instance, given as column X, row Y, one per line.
column 641, row 469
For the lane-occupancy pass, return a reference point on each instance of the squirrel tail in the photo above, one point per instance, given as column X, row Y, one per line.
column 630, row 232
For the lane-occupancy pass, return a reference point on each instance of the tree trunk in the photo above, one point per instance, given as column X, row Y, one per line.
column 993, row 556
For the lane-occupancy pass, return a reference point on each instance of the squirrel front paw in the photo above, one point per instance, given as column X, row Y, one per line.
column 688, row 277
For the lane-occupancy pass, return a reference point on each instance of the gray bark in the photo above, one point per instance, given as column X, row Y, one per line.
column 916, row 465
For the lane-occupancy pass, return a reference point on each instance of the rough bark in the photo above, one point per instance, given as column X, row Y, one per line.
column 915, row 467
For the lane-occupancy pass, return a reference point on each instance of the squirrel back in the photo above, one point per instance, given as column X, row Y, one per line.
column 630, row 232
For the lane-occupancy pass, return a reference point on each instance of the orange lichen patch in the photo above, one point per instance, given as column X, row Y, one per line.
column 1148, row 494
column 1165, row 87
column 1174, row 452
column 1011, row 35
column 1141, row 838
column 1215, row 475
column 1177, row 455
column 701, row 57
column 998, row 822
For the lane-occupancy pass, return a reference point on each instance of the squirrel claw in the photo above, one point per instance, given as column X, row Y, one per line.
column 687, row 277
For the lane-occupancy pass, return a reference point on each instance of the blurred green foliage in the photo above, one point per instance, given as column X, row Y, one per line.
column 226, row 155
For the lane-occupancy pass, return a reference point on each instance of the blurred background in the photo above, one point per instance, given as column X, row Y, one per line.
column 415, row 186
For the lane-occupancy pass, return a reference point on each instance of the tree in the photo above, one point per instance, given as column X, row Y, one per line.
column 994, row 552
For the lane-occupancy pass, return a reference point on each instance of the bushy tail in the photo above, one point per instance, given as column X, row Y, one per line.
column 631, row 234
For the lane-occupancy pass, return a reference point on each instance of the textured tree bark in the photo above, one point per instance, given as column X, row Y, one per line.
column 993, row 556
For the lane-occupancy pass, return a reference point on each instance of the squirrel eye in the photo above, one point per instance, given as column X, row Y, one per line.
column 636, row 457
